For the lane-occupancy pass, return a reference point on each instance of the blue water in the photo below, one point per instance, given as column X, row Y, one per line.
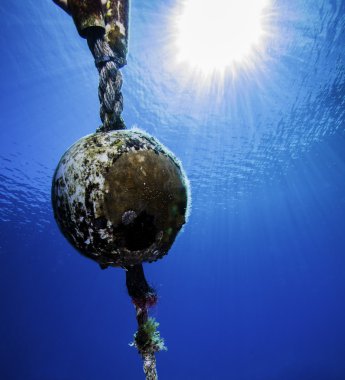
column 254, row 288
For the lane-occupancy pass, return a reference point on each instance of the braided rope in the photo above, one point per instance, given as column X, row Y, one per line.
column 110, row 83
column 150, row 366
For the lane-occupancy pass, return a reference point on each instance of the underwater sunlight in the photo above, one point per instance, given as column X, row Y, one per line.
column 212, row 37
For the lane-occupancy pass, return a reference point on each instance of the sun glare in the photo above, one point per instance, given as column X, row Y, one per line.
column 213, row 35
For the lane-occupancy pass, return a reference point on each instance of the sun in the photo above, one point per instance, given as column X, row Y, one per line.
column 213, row 35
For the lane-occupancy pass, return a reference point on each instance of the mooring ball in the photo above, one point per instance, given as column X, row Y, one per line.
column 120, row 197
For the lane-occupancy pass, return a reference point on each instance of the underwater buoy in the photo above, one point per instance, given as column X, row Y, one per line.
column 120, row 197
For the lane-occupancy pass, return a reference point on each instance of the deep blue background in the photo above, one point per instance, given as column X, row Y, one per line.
column 254, row 287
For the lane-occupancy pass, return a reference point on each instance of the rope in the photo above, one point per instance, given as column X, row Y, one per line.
column 110, row 83
column 147, row 339
column 150, row 366
column 148, row 354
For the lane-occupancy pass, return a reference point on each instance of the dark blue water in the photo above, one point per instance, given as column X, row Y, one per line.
column 254, row 287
